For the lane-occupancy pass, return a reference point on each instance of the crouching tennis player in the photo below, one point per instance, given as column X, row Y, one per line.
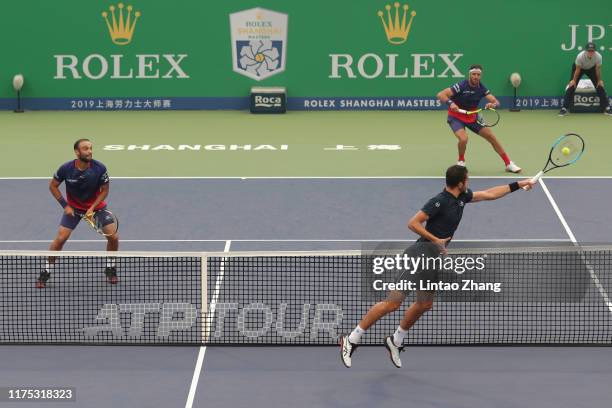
column 87, row 186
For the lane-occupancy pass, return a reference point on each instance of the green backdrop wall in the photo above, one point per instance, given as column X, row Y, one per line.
column 538, row 39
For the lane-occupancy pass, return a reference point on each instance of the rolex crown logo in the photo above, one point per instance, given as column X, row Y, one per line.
column 397, row 31
column 121, row 28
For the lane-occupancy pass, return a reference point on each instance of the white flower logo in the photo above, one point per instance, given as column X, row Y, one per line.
column 259, row 57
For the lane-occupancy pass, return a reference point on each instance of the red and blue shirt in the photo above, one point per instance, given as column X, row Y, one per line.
column 467, row 97
column 83, row 186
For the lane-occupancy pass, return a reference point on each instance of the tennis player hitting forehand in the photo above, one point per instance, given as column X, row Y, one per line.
column 87, row 186
column 441, row 216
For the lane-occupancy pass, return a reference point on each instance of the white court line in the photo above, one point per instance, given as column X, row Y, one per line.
column 570, row 234
column 82, row 241
column 200, row 361
column 305, row 177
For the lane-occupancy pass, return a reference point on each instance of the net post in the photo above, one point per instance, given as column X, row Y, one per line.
column 204, row 297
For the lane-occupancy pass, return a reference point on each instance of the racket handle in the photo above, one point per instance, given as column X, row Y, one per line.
column 462, row 111
column 535, row 178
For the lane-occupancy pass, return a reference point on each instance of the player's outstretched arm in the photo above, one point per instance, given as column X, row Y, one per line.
column 494, row 193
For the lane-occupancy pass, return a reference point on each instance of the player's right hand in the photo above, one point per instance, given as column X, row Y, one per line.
column 68, row 210
column 441, row 243
column 572, row 83
column 527, row 184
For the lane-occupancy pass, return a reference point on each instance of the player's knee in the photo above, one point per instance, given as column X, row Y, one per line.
column 63, row 236
column 424, row 305
column 462, row 137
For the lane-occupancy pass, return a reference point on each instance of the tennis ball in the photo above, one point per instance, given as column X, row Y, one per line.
column 565, row 151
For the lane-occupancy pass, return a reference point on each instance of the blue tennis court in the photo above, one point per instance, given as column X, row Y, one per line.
column 304, row 214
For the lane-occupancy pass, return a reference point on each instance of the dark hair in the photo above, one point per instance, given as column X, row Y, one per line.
column 476, row 66
column 77, row 144
column 455, row 174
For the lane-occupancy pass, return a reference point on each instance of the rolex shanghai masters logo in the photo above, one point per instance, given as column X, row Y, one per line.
column 259, row 42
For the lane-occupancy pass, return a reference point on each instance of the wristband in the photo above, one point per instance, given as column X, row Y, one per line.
column 449, row 102
column 513, row 186
column 62, row 202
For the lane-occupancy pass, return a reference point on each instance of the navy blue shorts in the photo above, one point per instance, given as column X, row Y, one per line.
column 70, row 222
column 457, row 124
column 424, row 274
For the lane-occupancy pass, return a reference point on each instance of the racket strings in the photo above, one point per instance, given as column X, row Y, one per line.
column 488, row 117
column 567, row 150
column 107, row 223
column 103, row 222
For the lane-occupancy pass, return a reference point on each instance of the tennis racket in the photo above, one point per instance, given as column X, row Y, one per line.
column 565, row 150
column 103, row 222
column 484, row 117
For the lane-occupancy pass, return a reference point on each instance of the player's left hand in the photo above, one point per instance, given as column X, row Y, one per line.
column 490, row 105
column 526, row 184
column 600, row 83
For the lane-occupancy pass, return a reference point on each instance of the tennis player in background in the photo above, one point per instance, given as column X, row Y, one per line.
column 435, row 224
column 466, row 95
column 87, row 186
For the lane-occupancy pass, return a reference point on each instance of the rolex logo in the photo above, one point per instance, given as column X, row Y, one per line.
column 121, row 28
column 397, row 31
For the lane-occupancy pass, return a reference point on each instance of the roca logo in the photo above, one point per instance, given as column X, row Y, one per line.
column 586, row 100
column 268, row 101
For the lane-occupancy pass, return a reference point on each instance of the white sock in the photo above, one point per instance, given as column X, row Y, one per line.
column 110, row 262
column 356, row 334
column 49, row 266
column 398, row 336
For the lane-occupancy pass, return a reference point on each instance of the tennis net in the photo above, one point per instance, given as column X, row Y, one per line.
column 545, row 296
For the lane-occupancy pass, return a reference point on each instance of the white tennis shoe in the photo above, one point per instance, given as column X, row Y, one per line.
column 513, row 168
column 346, row 351
column 394, row 351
